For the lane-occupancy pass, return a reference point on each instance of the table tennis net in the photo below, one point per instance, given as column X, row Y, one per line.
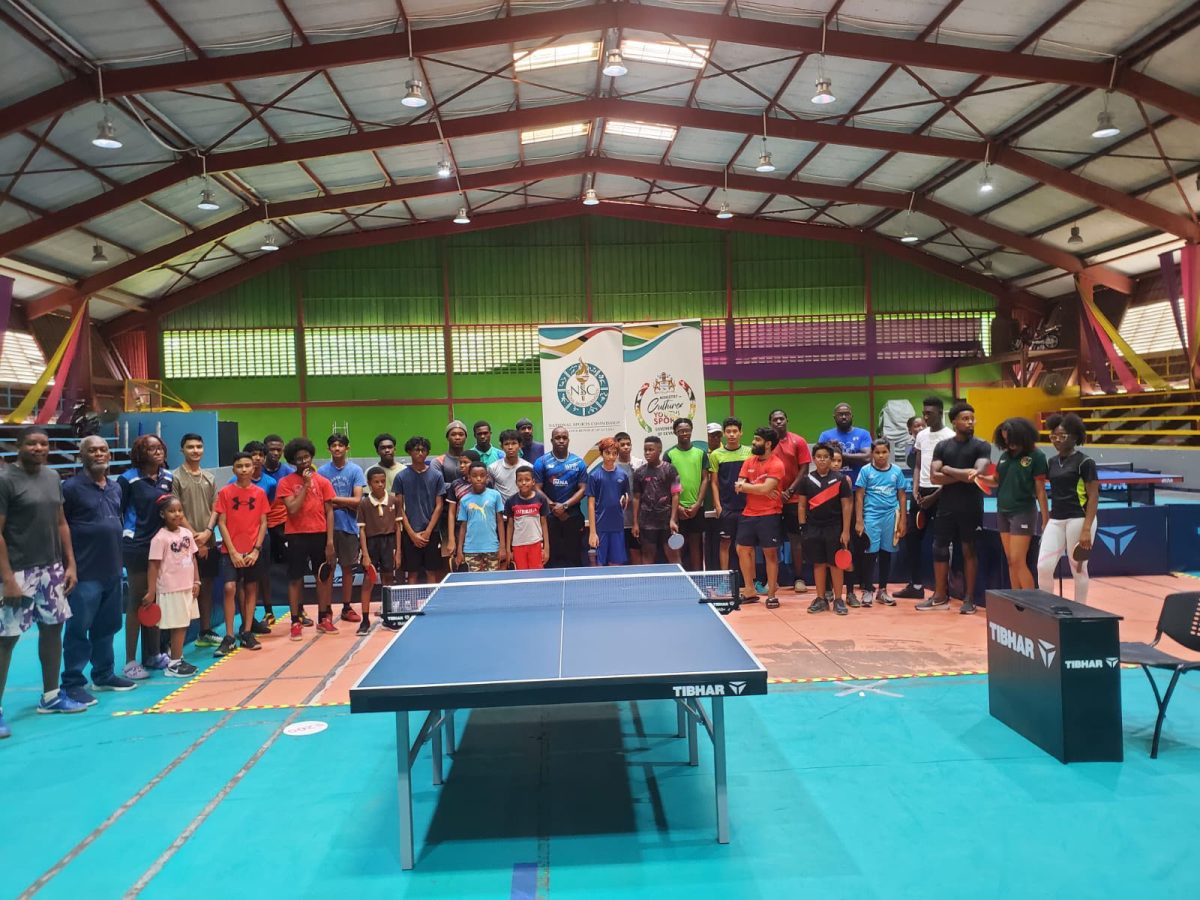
column 591, row 590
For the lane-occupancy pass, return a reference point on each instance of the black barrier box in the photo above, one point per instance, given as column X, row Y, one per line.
column 1054, row 674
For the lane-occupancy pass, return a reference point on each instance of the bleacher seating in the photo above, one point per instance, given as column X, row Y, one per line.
column 1160, row 419
column 64, row 448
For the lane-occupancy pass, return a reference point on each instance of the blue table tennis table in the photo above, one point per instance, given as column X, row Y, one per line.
column 555, row 636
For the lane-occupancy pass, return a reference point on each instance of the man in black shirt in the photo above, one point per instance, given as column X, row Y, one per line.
column 957, row 462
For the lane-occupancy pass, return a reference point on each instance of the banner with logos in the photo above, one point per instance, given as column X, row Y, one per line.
column 664, row 379
column 582, row 383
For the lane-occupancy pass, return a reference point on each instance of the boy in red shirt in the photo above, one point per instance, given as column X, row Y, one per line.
column 760, row 480
column 528, row 537
column 241, row 510
column 308, row 498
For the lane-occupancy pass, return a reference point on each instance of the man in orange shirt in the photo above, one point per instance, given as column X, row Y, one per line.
column 792, row 450
column 760, row 480
column 308, row 498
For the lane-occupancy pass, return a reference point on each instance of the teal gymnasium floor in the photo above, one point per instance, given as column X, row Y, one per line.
column 907, row 790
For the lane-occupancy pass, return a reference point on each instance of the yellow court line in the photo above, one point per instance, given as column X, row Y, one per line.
column 827, row 678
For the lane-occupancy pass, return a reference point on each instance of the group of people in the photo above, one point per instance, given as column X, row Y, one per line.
column 64, row 544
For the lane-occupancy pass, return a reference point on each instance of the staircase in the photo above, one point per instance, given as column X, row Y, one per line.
column 1152, row 419
column 64, row 448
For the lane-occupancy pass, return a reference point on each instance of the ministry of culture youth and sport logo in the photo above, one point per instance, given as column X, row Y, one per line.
column 583, row 389
column 658, row 404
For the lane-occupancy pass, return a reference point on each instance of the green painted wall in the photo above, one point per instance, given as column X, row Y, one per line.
column 548, row 272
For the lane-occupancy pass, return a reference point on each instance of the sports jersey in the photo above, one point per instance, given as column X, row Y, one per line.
column 606, row 489
column 310, row 518
column 655, row 485
column 243, row 508
column 726, row 465
column 856, row 440
column 880, row 488
column 793, row 452
column 824, row 496
column 1016, row 477
column 691, row 465
column 756, row 470
column 1068, row 484
column 559, row 478
column 526, row 515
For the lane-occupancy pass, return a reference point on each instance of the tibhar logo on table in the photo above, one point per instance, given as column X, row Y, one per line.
column 1019, row 643
column 707, row 690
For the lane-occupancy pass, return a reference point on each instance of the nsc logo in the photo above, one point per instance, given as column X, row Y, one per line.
column 1117, row 538
column 1019, row 643
column 708, row 690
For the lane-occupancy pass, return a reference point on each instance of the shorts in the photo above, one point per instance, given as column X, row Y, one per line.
column 209, row 566
column 305, row 554
column 881, row 532
column 382, row 550
column 178, row 609
column 651, row 541
column 247, row 573
column 611, row 548
column 481, row 562
column 278, row 544
column 821, row 542
column 44, row 600
column 728, row 524
column 956, row 528
column 631, row 543
column 346, row 549
column 694, row 525
column 1019, row 523
column 790, row 519
column 421, row 559
column 759, row 531
column 527, row 556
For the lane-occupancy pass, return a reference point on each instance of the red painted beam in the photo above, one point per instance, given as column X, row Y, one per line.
column 589, row 110
column 649, row 172
column 552, row 211
column 599, row 18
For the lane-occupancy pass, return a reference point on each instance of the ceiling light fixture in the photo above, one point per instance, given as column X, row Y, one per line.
column 444, row 170
column 414, row 88
column 590, row 198
column 614, row 65
column 268, row 245
column 98, row 257
column 1104, row 121
column 909, row 236
column 1076, row 238
column 824, row 94
column 986, row 186
column 106, row 132
column 462, row 218
column 206, row 195
column 764, row 158
column 725, row 212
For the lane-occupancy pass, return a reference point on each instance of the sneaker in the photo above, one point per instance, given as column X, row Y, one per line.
column 5, row 731
column 852, row 598
column 247, row 641
column 819, row 605
column 258, row 627
column 305, row 620
column 269, row 619
column 61, row 704
column 135, row 671
column 884, row 598
column 800, row 587
column 228, row 644
column 934, row 602
column 839, row 607
column 208, row 639
column 759, row 587
column 113, row 682
column 80, row 695
column 349, row 614
column 158, row 662
column 911, row 593
column 325, row 626
column 297, row 631
column 181, row 668
column 868, row 599
column 968, row 608
column 772, row 603
column 364, row 627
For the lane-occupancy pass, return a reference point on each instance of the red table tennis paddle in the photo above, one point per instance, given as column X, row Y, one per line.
column 1081, row 553
column 371, row 574
column 149, row 615
column 843, row 559
column 324, row 573
column 922, row 519
column 989, row 472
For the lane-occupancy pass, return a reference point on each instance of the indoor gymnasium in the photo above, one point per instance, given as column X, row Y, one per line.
column 528, row 449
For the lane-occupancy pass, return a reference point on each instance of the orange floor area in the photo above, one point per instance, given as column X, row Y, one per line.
column 795, row 646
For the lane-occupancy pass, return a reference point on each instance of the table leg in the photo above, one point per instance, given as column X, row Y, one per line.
column 718, row 736
column 693, row 748
column 404, row 790
column 450, row 747
column 680, row 715
column 436, row 748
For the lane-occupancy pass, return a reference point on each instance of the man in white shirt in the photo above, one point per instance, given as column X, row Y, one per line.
column 925, row 493
column 504, row 470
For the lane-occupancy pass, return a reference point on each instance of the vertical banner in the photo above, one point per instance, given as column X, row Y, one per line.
column 582, row 383
column 664, row 379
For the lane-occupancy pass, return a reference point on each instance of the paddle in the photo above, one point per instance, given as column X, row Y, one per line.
column 922, row 519
column 675, row 541
column 843, row 559
column 1081, row 553
column 325, row 573
column 989, row 472
column 149, row 615
column 371, row 574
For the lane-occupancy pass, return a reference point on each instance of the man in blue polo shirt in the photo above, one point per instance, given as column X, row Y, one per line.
column 562, row 477
column 348, row 482
column 92, row 504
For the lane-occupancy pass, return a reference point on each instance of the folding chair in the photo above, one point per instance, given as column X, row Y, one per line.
column 1180, row 621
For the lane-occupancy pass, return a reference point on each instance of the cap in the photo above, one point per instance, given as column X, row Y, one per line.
column 457, row 423
column 714, row 428
column 522, row 422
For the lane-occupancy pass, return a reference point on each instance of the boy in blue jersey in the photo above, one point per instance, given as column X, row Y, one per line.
column 480, row 524
column 608, row 490
column 879, row 499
